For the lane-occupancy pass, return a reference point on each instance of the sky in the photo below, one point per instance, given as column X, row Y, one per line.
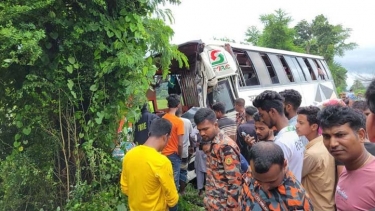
column 205, row 19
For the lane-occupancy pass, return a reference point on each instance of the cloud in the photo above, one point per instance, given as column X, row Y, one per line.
column 360, row 60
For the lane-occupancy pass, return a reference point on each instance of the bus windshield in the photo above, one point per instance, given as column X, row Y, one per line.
column 222, row 93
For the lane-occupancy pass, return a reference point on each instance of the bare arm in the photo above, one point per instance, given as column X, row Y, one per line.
column 180, row 145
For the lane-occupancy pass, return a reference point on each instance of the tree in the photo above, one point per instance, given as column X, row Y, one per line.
column 304, row 36
column 322, row 38
column 357, row 86
column 252, row 34
column 70, row 70
column 224, row 39
column 276, row 32
column 339, row 75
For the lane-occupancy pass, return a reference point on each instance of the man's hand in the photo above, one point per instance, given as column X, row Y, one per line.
column 250, row 140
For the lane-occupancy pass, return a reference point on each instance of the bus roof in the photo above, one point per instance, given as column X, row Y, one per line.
column 251, row 48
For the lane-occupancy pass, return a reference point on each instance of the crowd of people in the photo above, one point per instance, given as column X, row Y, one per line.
column 275, row 155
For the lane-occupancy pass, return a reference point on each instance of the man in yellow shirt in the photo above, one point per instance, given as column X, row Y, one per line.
column 147, row 176
column 318, row 172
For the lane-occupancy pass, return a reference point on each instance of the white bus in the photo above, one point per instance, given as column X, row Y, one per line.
column 221, row 72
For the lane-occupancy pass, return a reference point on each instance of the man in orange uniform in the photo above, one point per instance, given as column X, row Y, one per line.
column 269, row 185
column 223, row 182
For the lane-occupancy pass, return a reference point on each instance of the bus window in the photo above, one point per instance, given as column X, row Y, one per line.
column 321, row 66
column 321, row 71
column 295, row 68
column 299, row 68
column 311, row 71
column 304, row 68
column 248, row 71
column 161, row 94
column 271, row 71
column 287, row 69
column 222, row 93
column 324, row 64
column 151, row 107
column 164, row 88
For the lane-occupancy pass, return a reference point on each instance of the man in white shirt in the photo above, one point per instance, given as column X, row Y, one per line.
column 271, row 109
column 292, row 101
column 188, row 128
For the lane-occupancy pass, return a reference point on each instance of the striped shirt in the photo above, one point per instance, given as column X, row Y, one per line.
column 229, row 127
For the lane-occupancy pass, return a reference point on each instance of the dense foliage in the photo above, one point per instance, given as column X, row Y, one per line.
column 70, row 70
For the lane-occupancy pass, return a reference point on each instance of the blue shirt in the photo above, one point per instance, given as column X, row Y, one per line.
column 244, row 164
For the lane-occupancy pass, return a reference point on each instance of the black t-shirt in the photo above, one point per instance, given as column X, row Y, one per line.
column 142, row 127
column 370, row 147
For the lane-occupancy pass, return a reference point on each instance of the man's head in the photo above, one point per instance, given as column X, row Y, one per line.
column 268, row 165
column 206, row 122
column 292, row 101
column 270, row 107
column 239, row 104
column 343, row 132
column 160, row 129
column 361, row 106
column 370, row 96
column 332, row 102
column 173, row 101
column 250, row 111
column 219, row 109
column 264, row 133
column 307, row 122
column 343, row 95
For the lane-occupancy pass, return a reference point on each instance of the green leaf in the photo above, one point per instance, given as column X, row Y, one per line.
column 48, row 45
column 26, row 131
column 93, row 88
column 118, row 34
column 81, row 135
column 121, row 207
column 110, row 34
column 52, row 14
column 72, row 60
column 20, row 148
column 19, row 124
column 69, row 69
column 70, row 84
column 133, row 27
column 74, row 94
column 54, row 35
column 16, row 144
column 25, row 142
column 144, row 70
column 17, row 137
column 8, row 60
column 99, row 119
column 97, row 54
